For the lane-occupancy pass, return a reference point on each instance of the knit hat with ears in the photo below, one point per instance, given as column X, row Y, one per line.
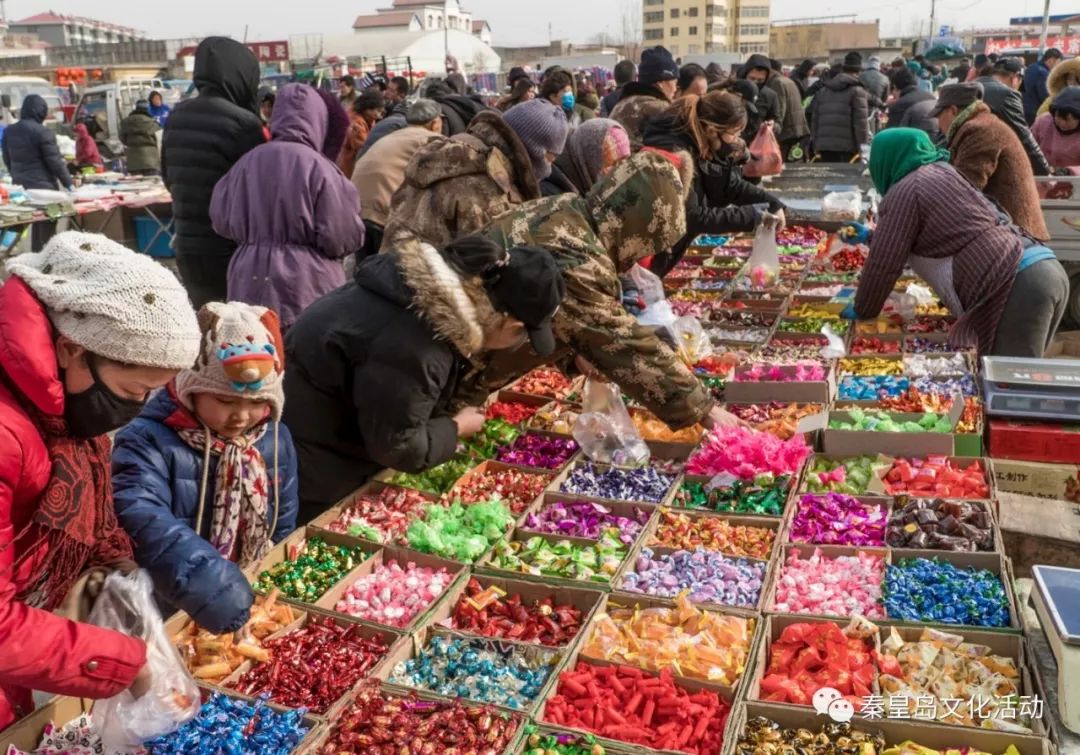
column 111, row 301
column 542, row 128
column 241, row 354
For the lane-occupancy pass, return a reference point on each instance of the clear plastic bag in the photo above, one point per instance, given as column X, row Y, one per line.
column 835, row 348
column 842, row 205
column 126, row 604
column 692, row 343
column 764, row 261
column 605, row 431
column 648, row 284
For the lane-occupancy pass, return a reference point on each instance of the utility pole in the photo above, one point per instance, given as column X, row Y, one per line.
column 933, row 23
column 1045, row 23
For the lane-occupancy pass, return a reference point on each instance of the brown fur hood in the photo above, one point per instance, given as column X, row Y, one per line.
column 456, row 307
column 1066, row 73
column 489, row 147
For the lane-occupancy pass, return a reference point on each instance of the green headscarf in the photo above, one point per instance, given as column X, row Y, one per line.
column 895, row 152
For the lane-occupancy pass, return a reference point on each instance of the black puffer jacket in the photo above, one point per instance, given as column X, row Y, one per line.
column 372, row 370
column 720, row 199
column 840, row 111
column 30, row 151
column 1008, row 105
column 205, row 136
column 909, row 95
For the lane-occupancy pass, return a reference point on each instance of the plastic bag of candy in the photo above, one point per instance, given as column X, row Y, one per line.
column 605, row 431
column 126, row 604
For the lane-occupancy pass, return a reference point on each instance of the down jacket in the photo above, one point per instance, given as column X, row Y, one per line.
column 41, row 651
column 454, row 187
column 29, row 149
column 294, row 216
column 205, row 136
column 156, row 479
column 138, row 132
column 788, row 113
column 909, row 96
column 373, row 368
column 839, row 116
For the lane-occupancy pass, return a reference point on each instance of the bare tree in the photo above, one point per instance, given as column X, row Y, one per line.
column 630, row 28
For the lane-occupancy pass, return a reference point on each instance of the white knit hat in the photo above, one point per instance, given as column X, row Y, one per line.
column 112, row 301
column 241, row 354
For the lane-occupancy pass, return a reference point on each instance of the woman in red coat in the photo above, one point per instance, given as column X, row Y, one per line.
column 87, row 330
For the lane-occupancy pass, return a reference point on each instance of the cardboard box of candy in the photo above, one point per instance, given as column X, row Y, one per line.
column 769, row 500
column 518, row 488
column 540, row 739
column 1057, row 481
column 318, row 664
column 969, row 590
column 543, row 382
column 783, row 419
column 894, row 433
column 709, row 644
column 662, row 441
column 377, row 512
column 396, row 587
column 516, row 610
column 554, row 418
column 601, row 482
column 743, row 389
column 878, row 737
column 569, row 515
column 731, row 534
column 926, row 477
column 512, row 676
column 558, row 560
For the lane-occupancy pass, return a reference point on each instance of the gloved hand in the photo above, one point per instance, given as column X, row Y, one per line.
column 849, row 312
column 854, row 233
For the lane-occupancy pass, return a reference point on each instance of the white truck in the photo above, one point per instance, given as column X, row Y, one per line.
column 1061, row 208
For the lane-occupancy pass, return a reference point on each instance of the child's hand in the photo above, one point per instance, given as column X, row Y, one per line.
column 469, row 421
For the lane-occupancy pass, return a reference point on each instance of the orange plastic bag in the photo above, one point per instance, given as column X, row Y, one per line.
column 765, row 150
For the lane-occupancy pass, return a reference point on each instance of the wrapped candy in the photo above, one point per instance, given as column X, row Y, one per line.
column 947, row 386
column 801, row 372
column 806, row 657
column 776, row 418
column 225, row 724
column 377, row 722
column 804, row 236
column 643, row 484
column 436, row 480
column 762, row 736
column 926, row 346
column 560, row 744
column 941, row 525
column 886, row 324
column 544, row 381
column 880, row 422
column 510, row 676
column 516, row 489
column 872, row 387
column 921, row 365
column 709, row 576
column 765, row 495
column 598, row 562
column 742, row 318
column 942, row 667
column 819, row 311
column 929, row 324
column 586, row 520
column 381, row 517
column 937, row 477
column 677, row 530
column 737, row 334
column 919, row 589
column 652, row 428
column 744, row 454
column 912, row 748
column 461, row 533
column 393, row 595
column 786, row 351
column 837, row 586
column 494, row 434
column 79, row 736
column 837, row 519
column 514, row 412
column 849, row 259
column 555, row 418
column 624, row 703
column 862, row 366
column 814, row 325
column 691, row 642
column 489, row 613
column 851, row 476
column 314, row 569
column 825, row 289
column 538, row 452
column 874, row 345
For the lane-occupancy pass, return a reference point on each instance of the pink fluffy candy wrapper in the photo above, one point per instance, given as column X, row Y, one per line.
column 746, row 453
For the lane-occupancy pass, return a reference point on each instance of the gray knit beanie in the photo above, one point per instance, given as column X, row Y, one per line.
column 422, row 112
column 542, row 128
column 111, row 301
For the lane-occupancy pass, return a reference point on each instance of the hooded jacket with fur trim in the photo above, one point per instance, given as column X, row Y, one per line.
column 454, row 187
column 372, row 369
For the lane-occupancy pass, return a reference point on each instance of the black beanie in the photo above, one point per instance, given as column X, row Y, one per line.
column 853, row 60
column 657, row 65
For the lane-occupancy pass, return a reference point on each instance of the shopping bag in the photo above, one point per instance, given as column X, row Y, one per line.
column 765, row 258
column 126, row 604
column 605, row 431
column 765, row 150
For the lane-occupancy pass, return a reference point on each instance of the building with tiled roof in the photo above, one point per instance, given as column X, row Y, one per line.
column 423, row 15
column 59, row 30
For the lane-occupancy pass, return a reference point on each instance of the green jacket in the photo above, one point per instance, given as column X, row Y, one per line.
column 636, row 211
column 138, row 132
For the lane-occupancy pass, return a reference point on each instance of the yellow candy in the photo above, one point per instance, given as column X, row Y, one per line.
column 871, row 366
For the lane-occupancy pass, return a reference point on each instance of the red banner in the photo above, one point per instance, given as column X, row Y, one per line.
column 270, row 52
column 1070, row 45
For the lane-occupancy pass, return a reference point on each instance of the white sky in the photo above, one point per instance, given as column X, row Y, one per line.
column 513, row 22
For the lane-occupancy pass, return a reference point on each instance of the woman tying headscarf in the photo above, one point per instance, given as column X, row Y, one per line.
column 592, row 150
column 1007, row 292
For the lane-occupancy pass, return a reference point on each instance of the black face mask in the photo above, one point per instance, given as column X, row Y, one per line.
column 97, row 410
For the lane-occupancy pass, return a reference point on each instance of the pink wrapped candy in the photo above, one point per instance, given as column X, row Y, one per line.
column 394, row 596
column 837, row 519
column 838, row 586
column 746, row 454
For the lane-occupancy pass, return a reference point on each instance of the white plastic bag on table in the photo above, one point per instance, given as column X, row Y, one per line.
column 605, row 431
column 764, row 261
column 842, row 206
column 658, row 315
column 126, row 604
column 835, row 348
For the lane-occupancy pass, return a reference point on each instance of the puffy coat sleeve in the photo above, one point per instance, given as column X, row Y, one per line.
column 1012, row 112
column 4, row 150
column 187, row 571
column 860, row 112
column 43, row 651
column 50, row 155
column 289, row 490
column 339, row 230
column 397, row 394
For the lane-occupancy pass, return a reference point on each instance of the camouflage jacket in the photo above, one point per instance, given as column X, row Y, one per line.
column 639, row 103
column 455, row 186
column 634, row 212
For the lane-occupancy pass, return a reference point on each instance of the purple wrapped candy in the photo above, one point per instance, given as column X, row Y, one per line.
column 584, row 519
column 538, row 452
column 838, row 519
column 644, row 484
column 709, row 576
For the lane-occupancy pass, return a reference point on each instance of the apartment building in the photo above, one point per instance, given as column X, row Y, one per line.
column 696, row 27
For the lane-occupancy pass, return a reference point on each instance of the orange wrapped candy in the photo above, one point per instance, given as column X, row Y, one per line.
column 691, row 642
column 651, row 427
column 713, row 533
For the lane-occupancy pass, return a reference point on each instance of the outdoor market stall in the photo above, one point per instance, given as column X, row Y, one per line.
column 828, row 578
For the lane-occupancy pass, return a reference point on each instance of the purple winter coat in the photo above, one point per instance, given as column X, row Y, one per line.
column 291, row 212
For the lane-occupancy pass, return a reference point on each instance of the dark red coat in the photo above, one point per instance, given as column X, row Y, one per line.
column 39, row 650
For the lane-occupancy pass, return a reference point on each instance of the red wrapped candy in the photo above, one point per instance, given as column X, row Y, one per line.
column 489, row 613
column 937, row 477
column 514, row 412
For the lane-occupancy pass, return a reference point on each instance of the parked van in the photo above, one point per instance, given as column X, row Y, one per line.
column 14, row 90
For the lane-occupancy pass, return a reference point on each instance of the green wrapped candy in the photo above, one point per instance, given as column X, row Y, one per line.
column 881, row 422
column 539, row 556
column 851, row 476
column 764, row 496
column 458, row 532
column 317, row 568
column 438, row 479
column 494, row 434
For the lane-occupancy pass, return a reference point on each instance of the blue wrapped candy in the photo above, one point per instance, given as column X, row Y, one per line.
column 228, row 726
column 872, row 387
column 919, row 589
column 644, row 484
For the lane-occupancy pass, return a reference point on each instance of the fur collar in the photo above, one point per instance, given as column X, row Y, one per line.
column 490, row 129
column 965, row 116
column 457, row 308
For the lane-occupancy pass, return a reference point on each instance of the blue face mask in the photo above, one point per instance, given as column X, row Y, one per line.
column 568, row 101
